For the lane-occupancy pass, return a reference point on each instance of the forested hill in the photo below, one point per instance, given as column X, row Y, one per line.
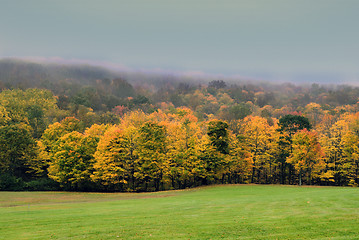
column 22, row 73
column 102, row 89
column 86, row 128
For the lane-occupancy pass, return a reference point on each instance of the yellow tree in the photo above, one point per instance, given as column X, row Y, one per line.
column 173, row 165
column 97, row 130
column 314, row 112
column 114, row 160
column 185, row 147
column 239, row 161
column 208, row 164
column 351, row 155
column 151, row 152
column 351, row 150
column 178, row 153
column 47, row 142
column 4, row 116
column 258, row 136
column 324, row 130
column 333, row 144
column 72, row 161
column 182, row 143
column 134, row 119
column 307, row 155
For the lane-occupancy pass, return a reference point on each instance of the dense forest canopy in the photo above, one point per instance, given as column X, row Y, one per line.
column 91, row 129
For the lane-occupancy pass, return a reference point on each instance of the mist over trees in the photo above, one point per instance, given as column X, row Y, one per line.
column 87, row 128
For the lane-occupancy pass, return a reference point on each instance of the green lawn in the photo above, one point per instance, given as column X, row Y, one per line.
column 218, row 212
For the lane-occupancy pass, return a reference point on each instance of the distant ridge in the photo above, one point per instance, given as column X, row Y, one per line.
column 16, row 71
column 38, row 71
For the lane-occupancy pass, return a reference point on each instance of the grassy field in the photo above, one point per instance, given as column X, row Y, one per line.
column 217, row 212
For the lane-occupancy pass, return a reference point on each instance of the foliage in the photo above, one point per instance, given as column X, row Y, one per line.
column 17, row 149
column 114, row 160
column 307, row 155
column 259, row 138
column 292, row 123
column 217, row 132
column 171, row 135
column 72, row 161
column 18, row 102
column 217, row 84
column 151, row 154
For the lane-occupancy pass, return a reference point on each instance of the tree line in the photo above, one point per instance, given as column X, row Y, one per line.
column 44, row 147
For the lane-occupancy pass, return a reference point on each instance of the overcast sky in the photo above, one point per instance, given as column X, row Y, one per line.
column 243, row 37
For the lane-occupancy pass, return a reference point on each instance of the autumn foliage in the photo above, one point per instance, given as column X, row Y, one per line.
column 214, row 139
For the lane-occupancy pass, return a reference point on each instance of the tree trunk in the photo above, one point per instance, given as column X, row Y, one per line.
column 253, row 170
column 282, row 173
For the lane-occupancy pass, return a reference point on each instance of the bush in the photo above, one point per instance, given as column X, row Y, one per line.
column 11, row 183
column 42, row 184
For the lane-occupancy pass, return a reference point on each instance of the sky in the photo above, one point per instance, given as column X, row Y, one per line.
column 267, row 39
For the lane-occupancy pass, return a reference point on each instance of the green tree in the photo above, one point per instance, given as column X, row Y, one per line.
column 293, row 123
column 121, row 88
column 36, row 120
column 218, row 135
column 217, row 84
column 17, row 150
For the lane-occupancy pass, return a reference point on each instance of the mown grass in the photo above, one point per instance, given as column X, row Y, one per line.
column 218, row 212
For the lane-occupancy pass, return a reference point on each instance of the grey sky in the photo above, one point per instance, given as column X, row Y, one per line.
column 244, row 37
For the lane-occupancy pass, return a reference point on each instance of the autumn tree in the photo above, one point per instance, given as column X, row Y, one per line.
column 209, row 162
column 72, row 161
column 314, row 113
column 183, row 138
column 152, row 149
column 351, row 149
column 288, row 125
column 334, row 145
column 341, row 146
column 97, row 130
column 115, row 159
column 307, row 155
column 4, row 116
column 351, row 154
column 34, row 107
column 239, row 160
column 259, row 138
column 48, row 141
